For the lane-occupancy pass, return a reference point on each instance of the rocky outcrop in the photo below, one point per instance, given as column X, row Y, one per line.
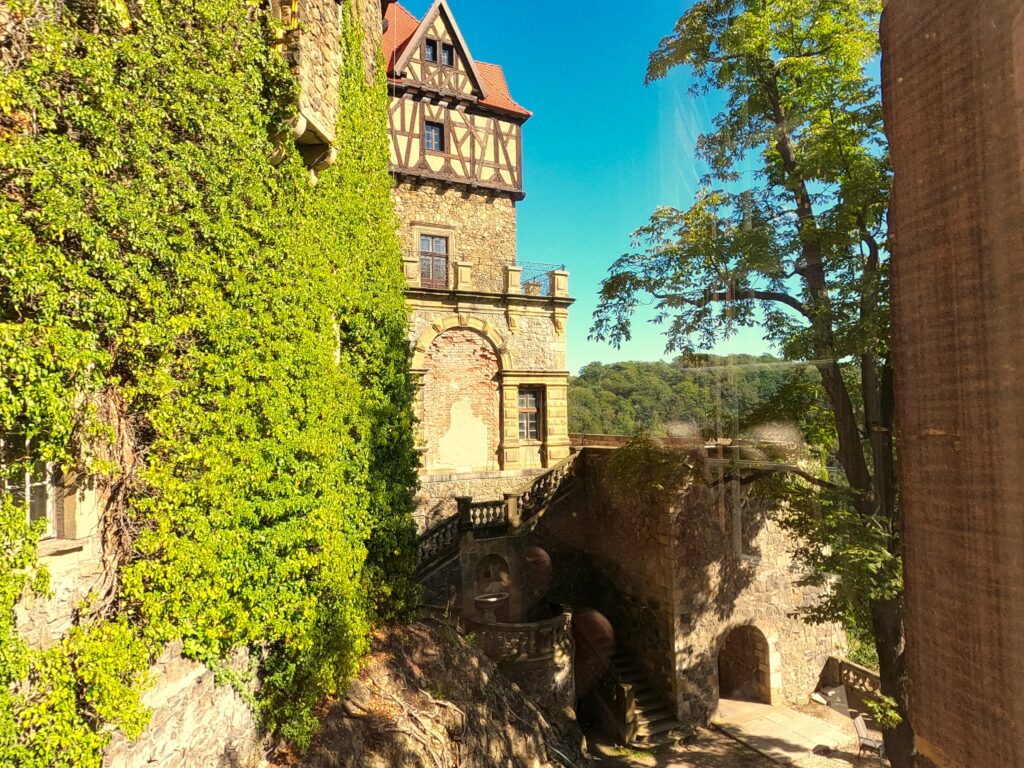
column 195, row 720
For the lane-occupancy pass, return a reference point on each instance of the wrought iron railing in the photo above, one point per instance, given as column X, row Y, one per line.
column 536, row 277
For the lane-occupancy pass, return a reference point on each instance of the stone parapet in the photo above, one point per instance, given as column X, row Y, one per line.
column 538, row 656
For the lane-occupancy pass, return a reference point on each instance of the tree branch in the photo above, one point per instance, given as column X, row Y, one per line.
column 711, row 297
column 760, row 474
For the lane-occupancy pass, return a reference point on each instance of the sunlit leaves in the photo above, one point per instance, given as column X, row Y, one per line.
column 151, row 255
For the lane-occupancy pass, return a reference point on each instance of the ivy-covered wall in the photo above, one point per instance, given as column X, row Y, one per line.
column 212, row 341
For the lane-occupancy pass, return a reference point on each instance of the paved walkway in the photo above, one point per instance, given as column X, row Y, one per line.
column 786, row 736
column 711, row 749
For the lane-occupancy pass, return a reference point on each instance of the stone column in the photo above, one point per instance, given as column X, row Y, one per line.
column 557, row 426
column 954, row 101
column 510, row 426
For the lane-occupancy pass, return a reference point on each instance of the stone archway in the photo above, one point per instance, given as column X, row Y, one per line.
column 460, row 394
column 744, row 666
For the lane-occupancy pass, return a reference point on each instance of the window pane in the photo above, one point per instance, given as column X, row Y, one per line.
column 425, row 264
column 441, row 270
column 39, row 502
column 440, row 245
column 431, row 50
column 433, row 137
column 424, row 243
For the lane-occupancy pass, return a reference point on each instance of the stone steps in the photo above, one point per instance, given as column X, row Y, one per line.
column 657, row 723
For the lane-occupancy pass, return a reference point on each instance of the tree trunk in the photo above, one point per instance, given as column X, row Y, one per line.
column 875, row 485
column 887, row 620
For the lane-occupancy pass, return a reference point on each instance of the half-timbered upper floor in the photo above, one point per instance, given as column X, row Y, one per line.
column 452, row 118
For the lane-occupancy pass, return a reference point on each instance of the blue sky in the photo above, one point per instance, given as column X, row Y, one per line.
column 602, row 151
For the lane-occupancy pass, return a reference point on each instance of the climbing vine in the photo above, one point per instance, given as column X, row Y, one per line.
column 213, row 341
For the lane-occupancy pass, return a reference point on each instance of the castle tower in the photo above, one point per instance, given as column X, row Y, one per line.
column 487, row 330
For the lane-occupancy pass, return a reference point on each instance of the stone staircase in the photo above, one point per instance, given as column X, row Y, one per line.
column 518, row 513
column 650, row 722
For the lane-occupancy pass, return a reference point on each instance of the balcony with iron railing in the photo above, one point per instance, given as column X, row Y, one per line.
column 437, row 272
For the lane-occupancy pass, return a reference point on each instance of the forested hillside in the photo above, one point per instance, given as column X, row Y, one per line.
column 717, row 395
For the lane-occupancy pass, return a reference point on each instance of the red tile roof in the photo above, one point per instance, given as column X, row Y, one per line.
column 498, row 95
column 402, row 25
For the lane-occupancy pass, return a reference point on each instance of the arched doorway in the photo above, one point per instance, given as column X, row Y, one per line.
column 744, row 666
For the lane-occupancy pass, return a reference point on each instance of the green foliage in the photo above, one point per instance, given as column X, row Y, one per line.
column 885, row 712
column 798, row 250
column 788, row 234
column 711, row 395
column 861, row 646
column 241, row 330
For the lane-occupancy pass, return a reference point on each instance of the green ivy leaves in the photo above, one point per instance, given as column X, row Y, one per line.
column 150, row 256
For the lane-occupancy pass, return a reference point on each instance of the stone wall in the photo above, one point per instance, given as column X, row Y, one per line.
column 535, row 345
column 612, row 551
column 370, row 15
column 461, row 420
column 954, row 99
column 480, row 227
column 734, row 569
column 667, row 569
column 317, row 62
column 76, row 569
column 435, row 500
column 196, row 722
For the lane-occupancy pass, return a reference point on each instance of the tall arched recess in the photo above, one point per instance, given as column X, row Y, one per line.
column 460, row 361
column 744, row 666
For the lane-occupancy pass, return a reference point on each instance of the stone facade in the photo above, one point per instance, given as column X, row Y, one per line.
column 661, row 558
column 311, row 44
column 480, row 227
column 954, row 99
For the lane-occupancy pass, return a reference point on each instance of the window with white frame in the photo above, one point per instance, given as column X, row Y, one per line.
column 31, row 485
column 433, row 137
column 531, row 404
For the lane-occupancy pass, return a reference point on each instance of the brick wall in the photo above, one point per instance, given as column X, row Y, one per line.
column 534, row 346
column 954, row 98
column 461, row 403
column 481, row 227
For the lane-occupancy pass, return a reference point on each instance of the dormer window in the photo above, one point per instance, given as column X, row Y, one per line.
column 448, row 55
column 433, row 137
column 430, row 50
